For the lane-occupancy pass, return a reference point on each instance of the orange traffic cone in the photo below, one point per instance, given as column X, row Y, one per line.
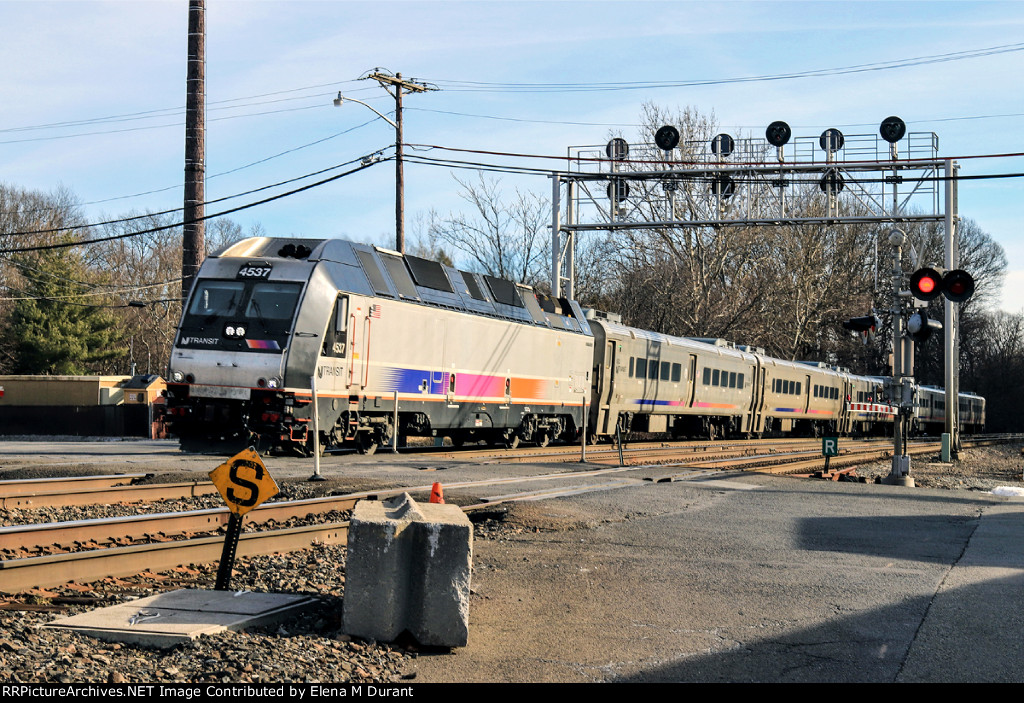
column 436, row 494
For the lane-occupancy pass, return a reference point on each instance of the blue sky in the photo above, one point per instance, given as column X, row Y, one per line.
column 71, row 61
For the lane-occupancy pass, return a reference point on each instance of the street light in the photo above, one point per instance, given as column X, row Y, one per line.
column 399, row 170
column 341, row 98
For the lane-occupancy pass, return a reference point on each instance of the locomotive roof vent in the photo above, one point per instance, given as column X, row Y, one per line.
column 293, row 251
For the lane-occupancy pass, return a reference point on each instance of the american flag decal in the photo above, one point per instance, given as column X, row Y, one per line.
column 375, row 311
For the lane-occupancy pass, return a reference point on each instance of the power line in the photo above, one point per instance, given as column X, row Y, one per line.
column 81, row 242
column 215, row 175
column 143, row 216
column 180, row 110
column 480, row 86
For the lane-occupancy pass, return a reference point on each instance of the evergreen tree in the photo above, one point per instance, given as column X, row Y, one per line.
column 54, row 328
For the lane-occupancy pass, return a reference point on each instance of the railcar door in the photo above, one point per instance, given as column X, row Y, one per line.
column 753, row 408
column 604, row 387
column 691, row 381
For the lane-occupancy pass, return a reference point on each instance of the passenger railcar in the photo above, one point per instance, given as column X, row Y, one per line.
column 649, row 382
column 930, row 415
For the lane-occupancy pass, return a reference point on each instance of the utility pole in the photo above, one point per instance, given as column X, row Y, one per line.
column 193, row 245
column 396, row 86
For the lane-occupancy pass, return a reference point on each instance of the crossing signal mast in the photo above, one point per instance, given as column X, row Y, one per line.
column 911, row 324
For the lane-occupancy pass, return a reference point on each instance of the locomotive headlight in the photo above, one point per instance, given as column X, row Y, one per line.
column 240, row 331
column 273, row 382
column 229, row 331
column 177, row 377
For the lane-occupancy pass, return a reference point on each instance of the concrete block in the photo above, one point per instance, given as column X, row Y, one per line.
column 408, row 569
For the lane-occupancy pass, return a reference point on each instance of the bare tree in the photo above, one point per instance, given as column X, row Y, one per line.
column 503, row 239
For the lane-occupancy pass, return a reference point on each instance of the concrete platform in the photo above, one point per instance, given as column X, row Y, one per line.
column 169, row 619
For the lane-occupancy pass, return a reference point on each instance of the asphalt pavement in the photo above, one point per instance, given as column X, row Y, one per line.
column 751, row 579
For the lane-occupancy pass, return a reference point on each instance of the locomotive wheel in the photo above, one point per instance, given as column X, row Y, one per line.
column 512, row 442
column 544, row 439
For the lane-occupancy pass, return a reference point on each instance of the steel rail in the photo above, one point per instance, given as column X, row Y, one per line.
column 47, row 571
column 102, row 531
column 28, row 486
column 54, row 498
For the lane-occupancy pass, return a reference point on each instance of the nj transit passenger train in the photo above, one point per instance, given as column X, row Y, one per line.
column 469, row 356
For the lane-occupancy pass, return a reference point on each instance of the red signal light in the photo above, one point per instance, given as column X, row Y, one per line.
column 958, row 285
column 926, row 284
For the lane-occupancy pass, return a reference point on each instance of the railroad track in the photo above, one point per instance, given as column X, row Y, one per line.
column 90, row 550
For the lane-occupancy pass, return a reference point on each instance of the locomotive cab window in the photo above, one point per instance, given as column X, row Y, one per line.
column 273, row 301
column 217, row 298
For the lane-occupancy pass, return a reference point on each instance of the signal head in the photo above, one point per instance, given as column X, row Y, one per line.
column 667, row 138
column 892, row 129
column 958, row 285
column 617, row 149
column 778, row 133
column 831, row 140
column 723, row 144
column 926, row 284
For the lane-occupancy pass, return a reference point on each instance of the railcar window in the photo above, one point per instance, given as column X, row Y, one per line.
column 429, row 274
column 273, row 301
column 677, row 372
column 217, row 298
column 641, row 368
column 798, row 387
column 739, row 381
column 707, row 376
column 400, row 276
column 715, row 373
column 665, row 370
column 631, row 361
column 472, row 287
column 652, row 370
column 373, row 272
column 504, row 291
column 732, row 379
